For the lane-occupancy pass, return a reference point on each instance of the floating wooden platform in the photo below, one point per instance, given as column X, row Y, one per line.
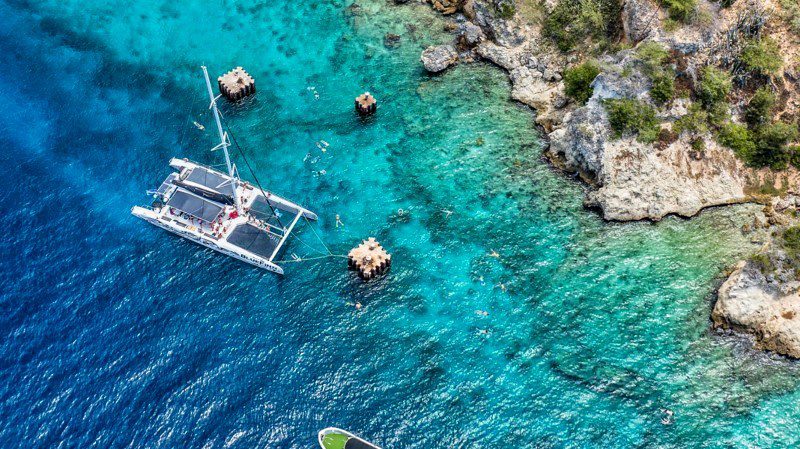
column 236, row 84
column 369, row 259
column 366, row 104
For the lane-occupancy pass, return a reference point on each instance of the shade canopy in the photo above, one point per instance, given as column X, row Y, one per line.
column 210, row 179
column 253, row 239
column 194, row 205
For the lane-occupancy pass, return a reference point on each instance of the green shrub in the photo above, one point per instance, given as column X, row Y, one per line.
column 762, row 56
column 505, row 9
column 726, row 3
column 653, row 54
column 670, row 25
column 791, row 14
column 663, row 89
column 719, row 114
column 695, row 121
column 698, row 144
column 739, row 139
column 772, row 145
column 763, row 263
column 682, row 10
column 633, row 117
column 791, row 240
column 578, row 81
column 715, row 85
column 759, row 110
column 572, row 22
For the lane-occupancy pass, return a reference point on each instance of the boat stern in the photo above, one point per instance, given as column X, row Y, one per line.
column 144, row 213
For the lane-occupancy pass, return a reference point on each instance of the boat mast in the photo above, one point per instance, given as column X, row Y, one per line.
column 223, row 143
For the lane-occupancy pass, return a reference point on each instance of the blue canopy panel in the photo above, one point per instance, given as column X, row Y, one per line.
column 253, row 239
column 162, row 189
column 210, row 179
column 208, row 184
column 194, row 205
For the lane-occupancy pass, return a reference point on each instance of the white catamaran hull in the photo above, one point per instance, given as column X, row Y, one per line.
column 197, row 237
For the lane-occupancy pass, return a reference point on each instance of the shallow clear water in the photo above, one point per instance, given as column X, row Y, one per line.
column 116, row 334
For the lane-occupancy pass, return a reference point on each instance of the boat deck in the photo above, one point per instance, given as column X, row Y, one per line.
column 196, row 200
column 254, row 239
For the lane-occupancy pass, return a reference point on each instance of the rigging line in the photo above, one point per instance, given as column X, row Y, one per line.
column 306, row 244
column 266, row 198
column 252, row 173
column 327, row 256
column 183, row 130
column 318, row 237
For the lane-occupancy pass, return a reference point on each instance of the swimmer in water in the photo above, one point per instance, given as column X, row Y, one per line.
column 495, row 254
column 502, row 286
column 482, row 313
column 199, row 126
column 447, row 213
column 356, row 304
column 339, row 221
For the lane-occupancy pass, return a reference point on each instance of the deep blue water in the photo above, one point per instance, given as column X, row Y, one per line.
column 116, row 334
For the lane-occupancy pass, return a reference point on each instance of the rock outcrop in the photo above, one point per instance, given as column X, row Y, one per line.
column 439, row 57
column 748, row 301
column 635, row 180
column 639, row 19
column 762, row 294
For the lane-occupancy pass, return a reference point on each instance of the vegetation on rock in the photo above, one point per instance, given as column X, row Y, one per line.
column 759, row 111
column 762, row 56
column 695, row 121
column 772, row 146
column 682, row 10
column 715, row 85
column 791, row 240
column 578, row 81
column 738, row 138
column 791, row 13
column 573, row 22
column 763, row 263
column 505, row 8
column 633, row 117
column 654, row 57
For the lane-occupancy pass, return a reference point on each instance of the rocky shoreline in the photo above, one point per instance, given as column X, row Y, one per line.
column 634, row 180
column 629, row 180
column 761, row 296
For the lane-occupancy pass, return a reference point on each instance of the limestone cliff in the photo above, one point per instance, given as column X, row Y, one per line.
column 630, row 180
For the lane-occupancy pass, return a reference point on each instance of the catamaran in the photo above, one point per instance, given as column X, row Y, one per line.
column 333, row 438
column 220, row 211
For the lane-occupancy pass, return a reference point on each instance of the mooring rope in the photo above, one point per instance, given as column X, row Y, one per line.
column 307, row 259
column 252, row 173
column 266, row 198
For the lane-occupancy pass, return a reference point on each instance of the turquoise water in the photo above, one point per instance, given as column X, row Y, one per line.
column 117, row 334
